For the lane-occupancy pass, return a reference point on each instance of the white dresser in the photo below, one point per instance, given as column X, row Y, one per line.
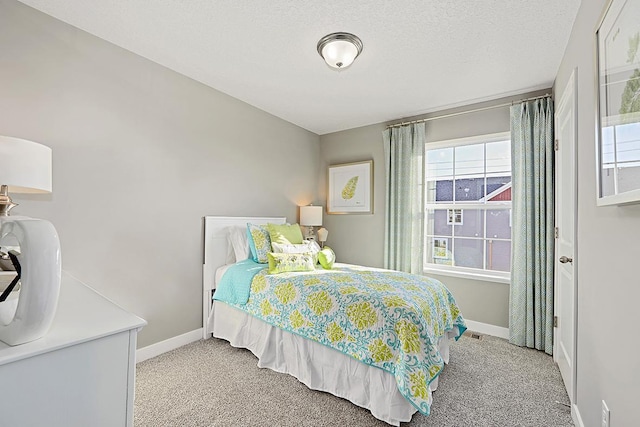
column 82, row 373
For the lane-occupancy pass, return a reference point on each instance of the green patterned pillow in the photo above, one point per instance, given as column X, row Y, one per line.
column 259, row 242
column 326, row 258
column 285, row 234
column 280, row 263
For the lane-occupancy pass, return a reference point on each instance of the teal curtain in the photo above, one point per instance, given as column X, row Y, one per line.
column 404, row 210
column 532, row 239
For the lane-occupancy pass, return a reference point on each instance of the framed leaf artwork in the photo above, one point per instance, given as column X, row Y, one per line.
column 350, row 188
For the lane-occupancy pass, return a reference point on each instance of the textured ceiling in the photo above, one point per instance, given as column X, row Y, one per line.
column 419, row 56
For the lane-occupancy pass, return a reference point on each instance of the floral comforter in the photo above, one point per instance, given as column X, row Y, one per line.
column 388, row 319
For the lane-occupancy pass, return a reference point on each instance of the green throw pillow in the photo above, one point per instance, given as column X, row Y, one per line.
column 326, row 258
column 285, row 234
column 280, row 263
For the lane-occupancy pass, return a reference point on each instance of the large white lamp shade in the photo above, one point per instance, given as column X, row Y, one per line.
column 26, row 165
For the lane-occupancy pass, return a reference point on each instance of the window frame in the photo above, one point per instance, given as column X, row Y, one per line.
column 457, row 271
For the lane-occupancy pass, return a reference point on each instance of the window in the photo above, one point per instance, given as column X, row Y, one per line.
column 468, row 205
column 454, row 217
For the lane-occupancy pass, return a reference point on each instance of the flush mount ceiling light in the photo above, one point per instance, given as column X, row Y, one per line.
column 339, row 50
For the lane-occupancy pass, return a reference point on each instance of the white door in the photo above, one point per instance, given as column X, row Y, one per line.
column 565, row 291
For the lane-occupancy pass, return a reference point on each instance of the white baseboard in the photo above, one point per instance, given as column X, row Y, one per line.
column 575, row 416
column 158, row 348
column 485, row 328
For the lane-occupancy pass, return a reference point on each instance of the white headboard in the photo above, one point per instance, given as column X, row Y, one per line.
column 215, row 252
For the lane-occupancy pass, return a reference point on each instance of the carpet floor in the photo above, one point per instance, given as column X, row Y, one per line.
column 489, row 382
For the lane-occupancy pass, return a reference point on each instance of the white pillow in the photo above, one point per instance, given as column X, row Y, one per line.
column 231, row 257
column 239, row 242
column 306, row 246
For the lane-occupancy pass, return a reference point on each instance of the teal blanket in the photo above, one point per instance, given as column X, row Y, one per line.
column 235, row 284
column 383, row 318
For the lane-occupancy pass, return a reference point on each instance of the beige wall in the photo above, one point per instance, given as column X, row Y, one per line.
column 608, row 352
column 355, row 238
column 359, row 239
column 140, row 155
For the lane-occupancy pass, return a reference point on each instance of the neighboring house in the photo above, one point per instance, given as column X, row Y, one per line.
column 474, row 238
column 501, row 194
column 472, row 189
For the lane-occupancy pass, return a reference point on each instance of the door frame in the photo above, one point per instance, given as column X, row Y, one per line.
column 572, row 85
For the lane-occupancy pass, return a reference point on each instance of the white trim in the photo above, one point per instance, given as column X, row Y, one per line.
column 620, row 199
column 497, row 278
column 575, row 416
column 468, row 205
column 568, row 100
column 158, row 348
column 485, row 328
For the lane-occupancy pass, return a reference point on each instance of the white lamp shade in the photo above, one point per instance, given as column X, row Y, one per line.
column 25, row 166
column 322, row 235
column 310, row 216
column 339, row 53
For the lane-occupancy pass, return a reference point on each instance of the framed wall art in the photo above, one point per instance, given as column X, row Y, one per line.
column 350, row 188
column 618, row 93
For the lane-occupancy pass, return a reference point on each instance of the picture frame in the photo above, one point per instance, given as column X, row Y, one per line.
column 350, row 188
column 618, row 104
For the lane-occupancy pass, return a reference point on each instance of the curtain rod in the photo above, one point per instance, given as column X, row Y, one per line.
column 444, row 116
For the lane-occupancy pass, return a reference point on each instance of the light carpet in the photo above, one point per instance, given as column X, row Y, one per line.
column 488, row 382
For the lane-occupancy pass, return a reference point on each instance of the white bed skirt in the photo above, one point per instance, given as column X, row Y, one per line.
column 317, row 366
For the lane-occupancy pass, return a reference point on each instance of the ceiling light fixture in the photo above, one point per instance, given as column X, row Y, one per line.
column 339, row 50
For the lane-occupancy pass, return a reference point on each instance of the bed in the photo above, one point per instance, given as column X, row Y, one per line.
column 323, row 347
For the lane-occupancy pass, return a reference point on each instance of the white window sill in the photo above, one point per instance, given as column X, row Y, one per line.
column 486, row 277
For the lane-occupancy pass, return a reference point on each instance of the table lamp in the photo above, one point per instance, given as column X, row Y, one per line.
column 322, row 236
column 310, row 217
column 25, row 167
